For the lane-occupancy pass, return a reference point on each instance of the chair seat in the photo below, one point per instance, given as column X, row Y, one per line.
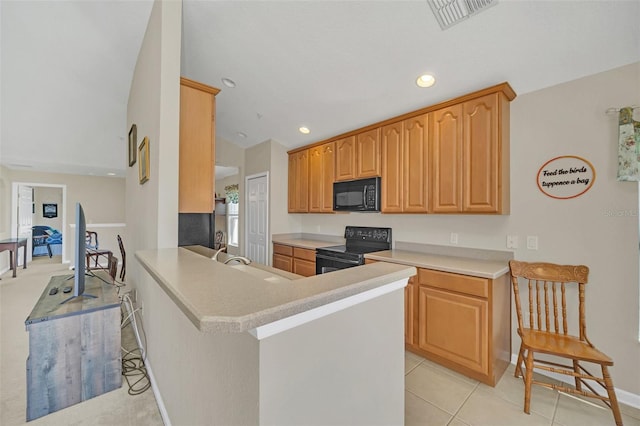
column 562, row 345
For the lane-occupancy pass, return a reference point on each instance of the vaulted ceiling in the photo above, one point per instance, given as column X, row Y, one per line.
column 331, row 66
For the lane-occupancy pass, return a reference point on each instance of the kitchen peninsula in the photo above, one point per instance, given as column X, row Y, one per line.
column 242, row 347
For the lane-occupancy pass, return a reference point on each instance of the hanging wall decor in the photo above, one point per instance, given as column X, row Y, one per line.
column 143, row 166
column 133, row 144
column 565, row 177
column 628, row 146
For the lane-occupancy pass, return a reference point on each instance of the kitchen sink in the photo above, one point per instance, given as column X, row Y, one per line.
column 260, row 273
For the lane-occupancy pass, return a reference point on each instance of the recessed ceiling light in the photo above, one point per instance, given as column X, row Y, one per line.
column 242, row 135
column 228, row 82
column 426, row 80
column 111, row 174
column 304, row 130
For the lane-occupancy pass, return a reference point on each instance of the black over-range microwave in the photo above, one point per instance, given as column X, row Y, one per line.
column 362, row 195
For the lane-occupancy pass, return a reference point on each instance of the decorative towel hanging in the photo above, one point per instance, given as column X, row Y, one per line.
column 628, row 146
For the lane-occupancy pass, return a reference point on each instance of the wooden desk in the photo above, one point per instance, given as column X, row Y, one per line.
column 12, row 244
column 74, row 348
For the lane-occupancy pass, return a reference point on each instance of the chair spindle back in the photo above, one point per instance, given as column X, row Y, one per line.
column 547, row 285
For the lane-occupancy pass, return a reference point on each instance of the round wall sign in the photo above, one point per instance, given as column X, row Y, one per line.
column 565, row 177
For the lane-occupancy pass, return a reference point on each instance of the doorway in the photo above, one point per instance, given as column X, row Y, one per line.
column 25, row 214
column 257, row 217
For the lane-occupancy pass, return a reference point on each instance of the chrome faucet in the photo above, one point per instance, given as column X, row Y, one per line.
column 215, row 256
column 241, row 259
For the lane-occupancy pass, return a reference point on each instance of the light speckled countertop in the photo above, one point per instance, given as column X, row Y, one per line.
column 220, row 298
column 305, row 243
column 459, row 265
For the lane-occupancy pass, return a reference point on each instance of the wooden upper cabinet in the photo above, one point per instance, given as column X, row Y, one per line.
column 391, row 147
column 345, row 158
column 368, row 154
column 415, row 161
column 298, row 194
column 452, row 157
column 482, row 158
column 196, row 177
column 321, row 171
column 446, row 165
column 405, row 165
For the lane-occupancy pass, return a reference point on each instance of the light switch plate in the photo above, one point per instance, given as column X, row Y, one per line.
column 454, row 238
column 532, row 242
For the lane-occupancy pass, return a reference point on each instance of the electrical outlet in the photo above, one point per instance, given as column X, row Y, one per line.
column 454, row 238
column 512, row 241
column 532, row 242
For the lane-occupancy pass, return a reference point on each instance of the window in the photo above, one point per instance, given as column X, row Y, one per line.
column 232, row 224
column 232, row 214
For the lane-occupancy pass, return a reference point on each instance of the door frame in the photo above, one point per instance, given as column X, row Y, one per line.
column 62, row 211
column 246, row 216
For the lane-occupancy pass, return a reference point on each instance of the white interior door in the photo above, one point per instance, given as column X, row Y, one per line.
column 25, row 218
column 257, row 190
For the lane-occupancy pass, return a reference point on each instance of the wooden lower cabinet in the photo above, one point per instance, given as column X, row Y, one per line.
column 304, row 262
column 464, row 323
column 410, row 306
column 294, row 259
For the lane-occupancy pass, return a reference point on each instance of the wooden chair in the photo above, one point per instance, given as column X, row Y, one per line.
column 93, row 252
column 113, row 267
column 544, row 330
column 123, row 271
column 218, row 240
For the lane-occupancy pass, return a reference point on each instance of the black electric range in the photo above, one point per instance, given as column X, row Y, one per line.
column 359, row 240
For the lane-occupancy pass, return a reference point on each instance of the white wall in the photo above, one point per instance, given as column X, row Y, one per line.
column 152, row 208
column 593, row 229
column 47, row 195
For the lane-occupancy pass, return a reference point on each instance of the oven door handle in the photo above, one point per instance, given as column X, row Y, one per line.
column 334, row 259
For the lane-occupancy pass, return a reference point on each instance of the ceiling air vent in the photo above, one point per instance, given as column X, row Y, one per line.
column 450, row 12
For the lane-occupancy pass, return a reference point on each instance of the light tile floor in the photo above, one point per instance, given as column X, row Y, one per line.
column 437, row 396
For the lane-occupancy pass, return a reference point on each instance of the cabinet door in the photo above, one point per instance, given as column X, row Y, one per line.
column 306, row 268
column 316, row 194
column 481, row 155
column 321, row 167
column 196, row 150
column 454, row 327
column 415, row 164
column 292, row 202
column 446, row 145
column 283, row 262
column 345, row 158
column 368, row 154
column 392, row 159
column 410, row 311
column 328, row 168
column 298, row 193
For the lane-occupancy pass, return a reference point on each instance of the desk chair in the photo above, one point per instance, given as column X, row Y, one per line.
column 93, row 252
column 123, row 271
column 544, row 330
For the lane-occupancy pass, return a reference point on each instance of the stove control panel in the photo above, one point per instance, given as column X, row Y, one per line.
column 363, row 233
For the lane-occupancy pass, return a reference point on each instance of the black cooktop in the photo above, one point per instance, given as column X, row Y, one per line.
column 360, row 240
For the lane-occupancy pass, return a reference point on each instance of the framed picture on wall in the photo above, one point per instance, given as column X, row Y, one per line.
column 133, row 144
column 49, row 210
column 143, row 165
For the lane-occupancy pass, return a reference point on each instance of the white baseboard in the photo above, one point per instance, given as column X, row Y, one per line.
column 156, row 393
column 624, row 397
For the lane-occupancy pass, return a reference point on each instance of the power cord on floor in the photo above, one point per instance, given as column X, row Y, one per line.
column 133, row 361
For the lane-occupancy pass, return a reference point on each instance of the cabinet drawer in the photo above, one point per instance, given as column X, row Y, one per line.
column 305, row 268
column 283, row 262
column 306, row 254
column 455, row 282
column 282, row 249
